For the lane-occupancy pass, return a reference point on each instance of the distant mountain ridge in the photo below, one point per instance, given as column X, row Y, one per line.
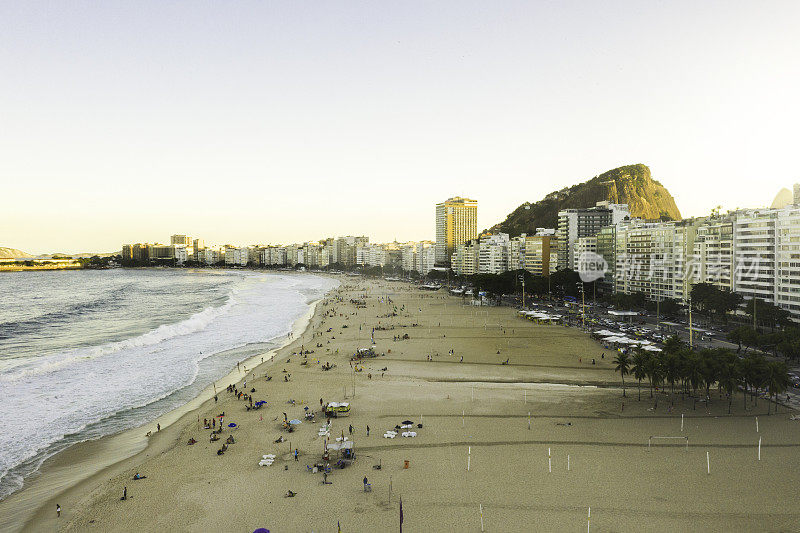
column 630, row 184
column 13, row 253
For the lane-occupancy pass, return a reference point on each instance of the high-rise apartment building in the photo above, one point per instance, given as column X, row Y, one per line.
column 754, row 235
column 576, row 223
column 456, row 223
column 655, row 258
column 541, row 253
column 183, row 240
column 713, row 253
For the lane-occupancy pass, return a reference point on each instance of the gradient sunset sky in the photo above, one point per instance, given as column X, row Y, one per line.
column 249, row 122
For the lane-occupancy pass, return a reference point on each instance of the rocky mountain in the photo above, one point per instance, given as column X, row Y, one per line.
column 782, row 199
column 12, row 253
column 631, row 184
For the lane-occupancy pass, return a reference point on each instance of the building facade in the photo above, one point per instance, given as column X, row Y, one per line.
column 456, row 223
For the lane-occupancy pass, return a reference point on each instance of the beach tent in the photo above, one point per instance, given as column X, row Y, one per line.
column 345, row 445
column 605, row 333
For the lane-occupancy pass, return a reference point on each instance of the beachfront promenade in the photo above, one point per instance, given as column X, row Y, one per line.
column 534, row 442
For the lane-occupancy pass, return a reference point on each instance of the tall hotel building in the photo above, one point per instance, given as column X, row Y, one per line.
column 456, row 223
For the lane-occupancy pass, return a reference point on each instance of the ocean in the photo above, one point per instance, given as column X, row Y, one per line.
column 85, row 354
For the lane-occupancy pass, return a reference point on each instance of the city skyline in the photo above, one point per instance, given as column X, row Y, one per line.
column 273, row 122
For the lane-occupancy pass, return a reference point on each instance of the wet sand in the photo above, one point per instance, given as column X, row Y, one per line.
column 477, row 411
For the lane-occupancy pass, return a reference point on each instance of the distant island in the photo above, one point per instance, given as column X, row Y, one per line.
column 14, row 260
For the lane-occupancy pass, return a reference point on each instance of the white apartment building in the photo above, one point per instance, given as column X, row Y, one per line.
column 408, row 261
column 236, row 256
column 654, row 258
column 464, row 260
column 713, row 253
column 516, row 252
column 371, row 255
column 787, row 259
column 493, row 254
column 425, row 257
column 581, row 246
column 182, row 254
column 211, row 256
column 754, row 246
column 273, row 256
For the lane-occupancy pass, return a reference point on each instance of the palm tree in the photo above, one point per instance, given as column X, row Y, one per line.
column 777, row 380
column 670, row 365
column 729, row 379
column 672, row 344
column 623, row 363
column 709, row 370
column 639, row 368
column 693, row 373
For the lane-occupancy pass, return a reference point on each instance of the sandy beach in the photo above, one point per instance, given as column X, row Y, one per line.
column 546, row 437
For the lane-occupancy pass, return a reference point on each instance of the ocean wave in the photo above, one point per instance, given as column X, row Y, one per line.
column 11, row 329
column 56, row 401
column 193, row 324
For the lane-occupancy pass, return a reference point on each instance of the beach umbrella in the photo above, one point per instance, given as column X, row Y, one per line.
column 231, row 425
column 261, row 530
column 407, row 422
column 295, row 421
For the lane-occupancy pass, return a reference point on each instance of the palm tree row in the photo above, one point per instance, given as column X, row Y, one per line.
column 693, row 371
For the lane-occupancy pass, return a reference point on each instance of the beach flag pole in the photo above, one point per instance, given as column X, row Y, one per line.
column 469, row 456
column 529, row 420
column 462, row 418
column 588, row 520
column 681, row 421
column 567, row 462
column 708, row 464
column 756, row 424
column 481, row 511
column 549, row 462
column 759, row 448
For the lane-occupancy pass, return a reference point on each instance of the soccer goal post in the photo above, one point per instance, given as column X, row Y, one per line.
column 651, row 438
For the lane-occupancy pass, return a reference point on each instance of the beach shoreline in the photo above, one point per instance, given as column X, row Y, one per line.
column 109, row 453
column 491, row 395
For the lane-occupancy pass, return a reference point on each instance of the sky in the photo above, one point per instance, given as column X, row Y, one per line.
column 277, row 122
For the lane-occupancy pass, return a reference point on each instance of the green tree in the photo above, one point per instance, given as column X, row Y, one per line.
column 622, row 365
column 777, row 380
column 639, row 368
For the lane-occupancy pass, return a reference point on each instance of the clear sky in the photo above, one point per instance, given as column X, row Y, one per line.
column 274, row 121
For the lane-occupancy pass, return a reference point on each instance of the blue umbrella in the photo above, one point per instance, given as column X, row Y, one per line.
column 231, row 425
column 261, row 530
column 295, row 421
column 260, row 402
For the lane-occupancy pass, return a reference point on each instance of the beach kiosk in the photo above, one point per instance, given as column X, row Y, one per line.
column 337, row 409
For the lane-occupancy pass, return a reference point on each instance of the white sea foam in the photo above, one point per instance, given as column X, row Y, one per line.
column 47, row 399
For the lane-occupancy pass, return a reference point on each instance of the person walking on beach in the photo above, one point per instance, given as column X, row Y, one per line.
column 365, row 483
column 295, row 455
column 351, row 429
column 158, row 427
column 58, row 510
column 124, row 494
column 367, row 431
